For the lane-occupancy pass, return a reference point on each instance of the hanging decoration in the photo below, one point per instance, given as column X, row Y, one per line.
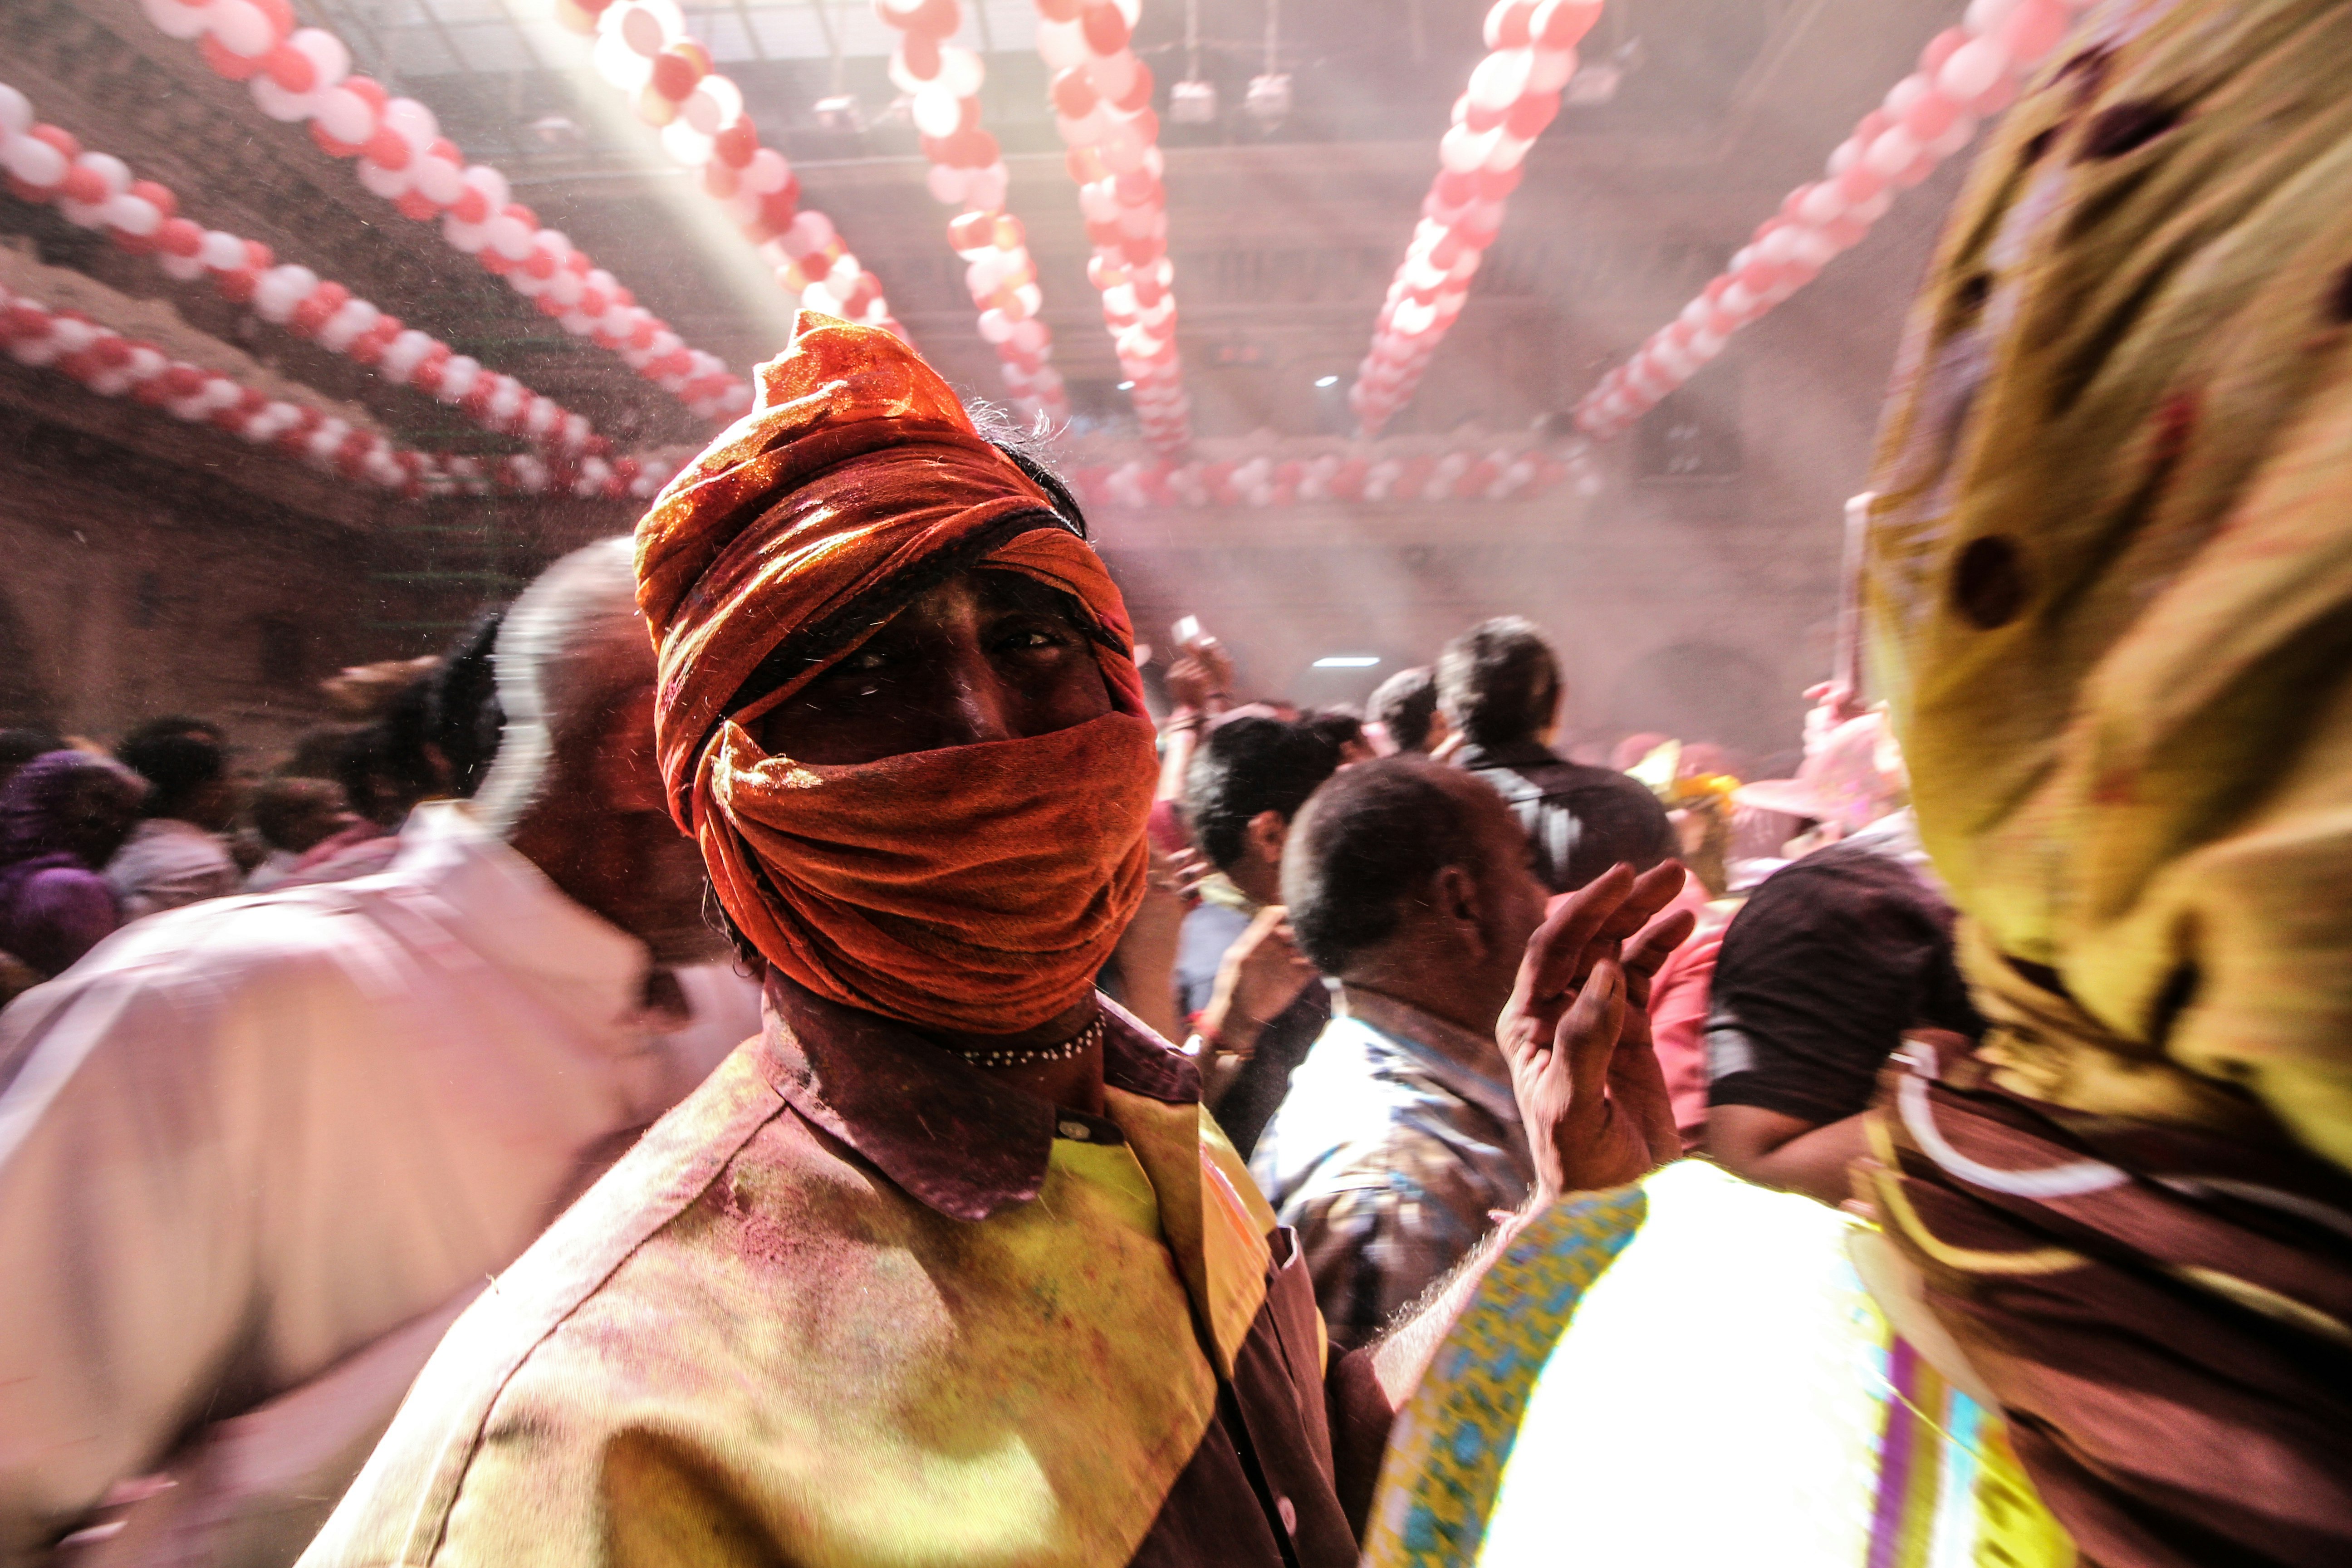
column 643, row 49
column 1102, row 107
column 1513, row 94
column 1460, row 474
column 304, row 75
column 1966, row 73
column 943, row 82
column 94, row 190
column 112, row 365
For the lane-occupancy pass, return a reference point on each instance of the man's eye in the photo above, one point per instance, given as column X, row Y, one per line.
column 1033, row 638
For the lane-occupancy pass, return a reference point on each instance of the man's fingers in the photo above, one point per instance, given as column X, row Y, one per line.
column 1656, row 941
column 1556, row 952
column 1589, row 1032
column 1652, row 890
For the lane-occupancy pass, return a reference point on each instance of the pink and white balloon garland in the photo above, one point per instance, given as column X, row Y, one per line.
column 1965, row 73
column 95, row 190
column 643, row 49
column 1102, row 107
column 112, row 365
column 304, row 74
column 1463, row 474
column 943, row 82
column 1513, row 94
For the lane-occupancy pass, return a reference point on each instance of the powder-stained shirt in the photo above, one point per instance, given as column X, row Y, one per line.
column 1399, row 1140
column 241, row 1143
column 859, row 1302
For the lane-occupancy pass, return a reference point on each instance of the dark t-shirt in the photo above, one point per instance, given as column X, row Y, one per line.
column 1828, row 962
column 1583, row 819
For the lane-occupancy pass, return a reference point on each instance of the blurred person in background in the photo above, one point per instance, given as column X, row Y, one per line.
column 21, row 745
column 462, row 716
column 1404, row 709
column 1408, row 883
column 293, row 816
column 177, row 855
column 1832, row 961
column 62, row 817
column 1344, row 728
column 2108, row 579
column 379, row 1091
column 1255, row 1004
column 1499, row 686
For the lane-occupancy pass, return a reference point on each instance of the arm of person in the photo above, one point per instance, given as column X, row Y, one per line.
column 1258, row 980
column 1199, row 684
column 123, row 1259
column 1814, row 984
column 1594, row 1104
column 1788, row 1154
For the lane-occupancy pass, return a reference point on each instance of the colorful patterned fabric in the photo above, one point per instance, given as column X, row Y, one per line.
column 2165, row 1315
column 1451, row 1441
column 1729, row 1392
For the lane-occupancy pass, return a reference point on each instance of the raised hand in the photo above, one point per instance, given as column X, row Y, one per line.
column 1576, row 1033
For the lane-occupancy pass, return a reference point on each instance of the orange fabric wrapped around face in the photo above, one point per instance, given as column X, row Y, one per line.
column 978, row 888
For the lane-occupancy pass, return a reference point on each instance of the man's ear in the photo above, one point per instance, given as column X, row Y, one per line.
column 1269, row 832
column 1454, row 898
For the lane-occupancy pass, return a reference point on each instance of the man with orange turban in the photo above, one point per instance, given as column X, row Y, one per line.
column 947, row 1266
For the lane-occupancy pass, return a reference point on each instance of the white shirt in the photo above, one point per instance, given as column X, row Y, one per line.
column 244, row 1140
column 166, row 863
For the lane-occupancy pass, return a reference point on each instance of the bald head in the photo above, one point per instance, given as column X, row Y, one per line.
column 1412, row 879
column 570, row 647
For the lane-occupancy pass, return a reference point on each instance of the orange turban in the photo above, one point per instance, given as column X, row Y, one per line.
column 978, row 888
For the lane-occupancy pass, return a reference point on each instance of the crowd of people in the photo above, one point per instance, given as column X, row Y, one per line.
column 781, row 1047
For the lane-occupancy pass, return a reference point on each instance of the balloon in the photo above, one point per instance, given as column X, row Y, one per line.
column 1892, row 152
column 1562, row 24
column 767, row 172
column 1105, row 28
column 620, row 64
column 133, row 216
column 1501, row 78
column 1061, row 44
column 1549, row 69
column 688, row 146
column 345, row 116
column 389, row 184
column 2032, row 29
column 35, row 163
column 1463, row 150
column 937, row 111
column 174, row 20
column 961, row 72
column 947, row 184
column 1973, row 70
column 109, row 169
column 241, row 27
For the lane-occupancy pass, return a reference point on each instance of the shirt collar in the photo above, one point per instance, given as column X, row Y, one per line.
column 1526, row 753
column 504, row 908
column 960, row 1140
column 1465, row 1063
